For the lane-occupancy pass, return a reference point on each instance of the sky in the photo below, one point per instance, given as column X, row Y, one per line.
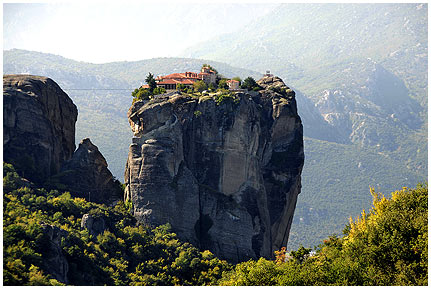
column 116, row 31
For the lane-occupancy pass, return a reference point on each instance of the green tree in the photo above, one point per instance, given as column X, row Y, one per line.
column 141, row 94
column 158, row 90
column 124, row 254
column 387, row 246
column 391, row 240
column 222, row 84
column 211, row 87
column 301, row 254
column 181, row 87
column 200, row 86
column 151, row 81
column 249, row 83
column 210, row 67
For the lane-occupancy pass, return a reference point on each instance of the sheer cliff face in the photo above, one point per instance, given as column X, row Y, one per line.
column 38, row 125
column 226, row 176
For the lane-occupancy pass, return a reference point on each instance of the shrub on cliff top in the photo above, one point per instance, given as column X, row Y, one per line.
column 226, row 96
column 200, row 86
column 250, row 84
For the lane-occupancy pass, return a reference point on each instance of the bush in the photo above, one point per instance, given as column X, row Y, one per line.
column 146, row 93
column 182, row 87
column 199, row 86
column 211, row 87
column 226, row 96
column 222, row 84
column 141, row 94
column 250, row 84
column 159, row 90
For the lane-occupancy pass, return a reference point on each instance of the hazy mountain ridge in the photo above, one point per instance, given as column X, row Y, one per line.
column 312, row 36
column 346, row 49
column 125, row 74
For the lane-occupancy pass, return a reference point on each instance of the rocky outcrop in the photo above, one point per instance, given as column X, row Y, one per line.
column 38, row 125
column 225, row 174
column 39, row 140
column 87, row 175
column 54, row 261
column 94, row 225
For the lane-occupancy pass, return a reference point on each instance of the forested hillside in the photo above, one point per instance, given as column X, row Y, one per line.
column 49, row 240
column 46, row 243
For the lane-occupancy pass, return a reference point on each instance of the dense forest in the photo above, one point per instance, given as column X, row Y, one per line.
column 386, row 246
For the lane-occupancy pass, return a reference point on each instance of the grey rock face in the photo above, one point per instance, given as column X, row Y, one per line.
column 39, row 140
column 94, row 225
column 38, row 125
column 55, row 263
column 226, row 176
column 87, row 175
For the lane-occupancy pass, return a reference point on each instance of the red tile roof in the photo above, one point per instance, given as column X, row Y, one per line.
column 174, row 78
column 183, row 78
column 175, row 81
column 179, row 75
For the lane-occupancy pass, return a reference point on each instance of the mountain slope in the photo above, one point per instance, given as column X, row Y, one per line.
column 313, row 37
column 373, row 55
column 357, row 62
column 336, row 181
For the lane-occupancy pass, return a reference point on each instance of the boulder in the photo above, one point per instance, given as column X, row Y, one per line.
column 54, row 261
column 94, row 225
